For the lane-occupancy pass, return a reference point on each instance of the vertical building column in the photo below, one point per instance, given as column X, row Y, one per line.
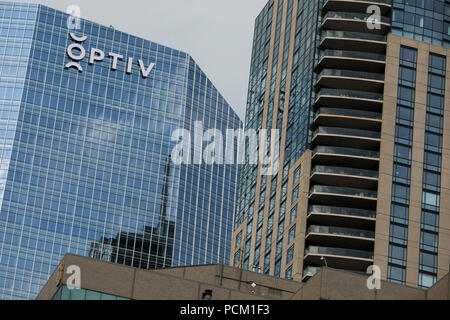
column 273, row 124
column 420, row 231
column 444, row 220
column 250, row 231
column 381, row 251
column 415, row 208
column 285, row 107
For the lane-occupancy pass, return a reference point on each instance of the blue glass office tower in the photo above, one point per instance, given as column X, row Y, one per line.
column 85, row 155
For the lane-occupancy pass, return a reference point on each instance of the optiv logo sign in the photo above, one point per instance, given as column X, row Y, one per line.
column 77, row 53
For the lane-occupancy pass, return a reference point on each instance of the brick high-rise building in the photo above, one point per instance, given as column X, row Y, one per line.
column 363, row 108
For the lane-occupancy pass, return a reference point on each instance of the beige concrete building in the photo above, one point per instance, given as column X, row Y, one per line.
column 371, row 185
column 104, row 280
column 418, row 205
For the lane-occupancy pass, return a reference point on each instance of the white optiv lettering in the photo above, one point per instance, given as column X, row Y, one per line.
column 116, row 57
column 96, row 55
column 145, row 72
column 76, row 52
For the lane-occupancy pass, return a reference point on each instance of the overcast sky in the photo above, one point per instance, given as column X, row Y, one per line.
column 218, row 34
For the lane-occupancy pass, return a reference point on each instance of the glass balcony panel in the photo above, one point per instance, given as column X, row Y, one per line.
column 352, row 54
column 344, row 191
column 352, row 74
column 342, row 231
column 353, row 35
column 350, row 94
column 345, row 171
column 346, row 151
column 339, row 252
column 352, row 16
column 347, row 132
column 343, row 211
column 348, row 112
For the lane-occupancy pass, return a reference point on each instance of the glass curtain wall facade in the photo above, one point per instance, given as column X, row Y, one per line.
column 86, row 156
column 422, row 20
column 280, row 95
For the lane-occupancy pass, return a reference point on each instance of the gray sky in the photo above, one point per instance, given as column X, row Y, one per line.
column 218, row 34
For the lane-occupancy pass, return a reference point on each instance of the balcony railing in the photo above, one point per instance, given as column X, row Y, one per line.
column 342, row 231
column 360, row 17
column 350, row 94
column 349, row 113
column 347, row 132
column 345, row 171
column 353, row 35
column 352, row 54
column 339, row 252
column 343, row 211
column 352, row 74
column 346, row 152
column 378, row 1
column 344, row 191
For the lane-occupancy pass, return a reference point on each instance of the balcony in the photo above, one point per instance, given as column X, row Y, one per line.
column 353, row 22
column 341, row 237
column 350, row 99
column 352, row 60
column 357, row 5
column 348, row 113
column 356, row 158
column 348, row 259
column 348, row 79
column 343, row 197
column 349, row 152
column 342, row 137
column 350, row 192
column 348, row 118
column 345, row 177
column 353, row 41
column 342, row 217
